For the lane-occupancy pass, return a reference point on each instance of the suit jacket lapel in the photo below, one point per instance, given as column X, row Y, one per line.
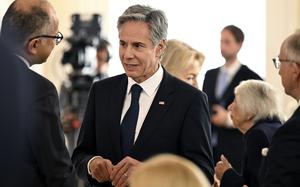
column 161, row 103
column 296, row 114
column 117, row 98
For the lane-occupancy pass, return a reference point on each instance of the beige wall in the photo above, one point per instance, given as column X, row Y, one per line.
column 283, row 18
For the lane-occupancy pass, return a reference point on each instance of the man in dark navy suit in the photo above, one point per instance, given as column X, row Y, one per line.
column 219, row 86
column 133, row 116
column 283, row 159
column 33, row 152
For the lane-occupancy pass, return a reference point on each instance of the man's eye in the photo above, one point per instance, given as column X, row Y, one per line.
column 137, row 45
column 190, row 77
column 122, row 43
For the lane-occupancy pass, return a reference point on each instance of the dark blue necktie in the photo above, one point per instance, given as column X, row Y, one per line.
column 128, row 124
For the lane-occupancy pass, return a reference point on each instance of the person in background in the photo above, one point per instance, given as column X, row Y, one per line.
column 219, row 86
column 168, row 171
column 103, row 57
column 182, row 61
column 74, row 94
column 30, row 28
column 283, row 157
column 256, row 112
column 144, row 112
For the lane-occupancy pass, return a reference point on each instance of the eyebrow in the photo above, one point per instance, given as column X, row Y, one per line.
column 139, row 43
column 134, row 43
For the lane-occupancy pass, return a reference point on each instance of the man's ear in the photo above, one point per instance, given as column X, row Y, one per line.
column 32, row 46
column 161, row 47
column 240, row 44
column 250, row 117
column 296, row 70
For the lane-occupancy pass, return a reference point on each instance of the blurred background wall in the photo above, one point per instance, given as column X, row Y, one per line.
column 198, row 22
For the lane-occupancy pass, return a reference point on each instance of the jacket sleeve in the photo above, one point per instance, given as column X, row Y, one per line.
column 256, row 141
column 46, row 140
column 195, row 141
column 232, row 179
column 283, row 158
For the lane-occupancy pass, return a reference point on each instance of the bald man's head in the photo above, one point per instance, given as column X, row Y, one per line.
column 27, row 18
column 26, row 5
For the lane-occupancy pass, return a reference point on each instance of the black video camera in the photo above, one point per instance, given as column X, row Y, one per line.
column 86, row 34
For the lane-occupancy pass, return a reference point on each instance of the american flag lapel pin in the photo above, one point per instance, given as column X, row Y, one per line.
column 161, row 103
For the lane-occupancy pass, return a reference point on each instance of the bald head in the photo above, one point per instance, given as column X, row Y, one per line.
column 27, row 18
column 291, row 47
column 26, row 5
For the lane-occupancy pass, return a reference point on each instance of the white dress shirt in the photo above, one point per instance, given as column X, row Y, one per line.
column 150, row 87
column 231, row 70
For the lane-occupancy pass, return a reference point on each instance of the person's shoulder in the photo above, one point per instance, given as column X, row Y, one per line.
column 39, row 82
column 292, row 125
column 257, row 134
column 187, row 90
column 246, row 71
column 290, row 129
column 212, row 71
column 109, row 82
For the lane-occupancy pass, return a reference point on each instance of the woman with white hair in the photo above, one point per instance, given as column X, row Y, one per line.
column 255, row 112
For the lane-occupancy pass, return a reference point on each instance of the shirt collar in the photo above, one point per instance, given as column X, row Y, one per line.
column 151, row 84
column 23, row 60
column 232, row 69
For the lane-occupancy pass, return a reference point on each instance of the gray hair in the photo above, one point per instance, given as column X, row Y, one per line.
column 156, row 20
column 19, row 25
column 291, row 47
column 258, row 98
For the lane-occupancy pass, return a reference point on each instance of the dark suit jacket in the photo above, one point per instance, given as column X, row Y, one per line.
column 33, row 152
column 283, row 159
column 256, row 138
column 180, row 126
column 223, row 137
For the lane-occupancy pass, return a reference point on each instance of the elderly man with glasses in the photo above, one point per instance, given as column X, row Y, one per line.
column 283, row 158
column 36, row 155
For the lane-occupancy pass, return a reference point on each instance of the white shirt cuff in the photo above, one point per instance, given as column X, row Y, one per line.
column 88, row 164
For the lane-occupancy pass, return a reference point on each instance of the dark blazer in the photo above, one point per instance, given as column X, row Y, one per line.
column 33, row 152
column 223, row 137
column 283, row 159
column 256, row 138
column 180, row 126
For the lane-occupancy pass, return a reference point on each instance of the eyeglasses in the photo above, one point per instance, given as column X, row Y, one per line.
column 277, row 62
column 57, row 38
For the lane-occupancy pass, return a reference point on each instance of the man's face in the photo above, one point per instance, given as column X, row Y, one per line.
column 40, row 48
column 139, row 57
column 190, row 73
column 229, row 46
column 102, row 56
column 285, row 72
column 47, row 44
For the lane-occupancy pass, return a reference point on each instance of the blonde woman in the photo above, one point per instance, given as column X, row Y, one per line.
column 182, row 61
column 168, row 170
